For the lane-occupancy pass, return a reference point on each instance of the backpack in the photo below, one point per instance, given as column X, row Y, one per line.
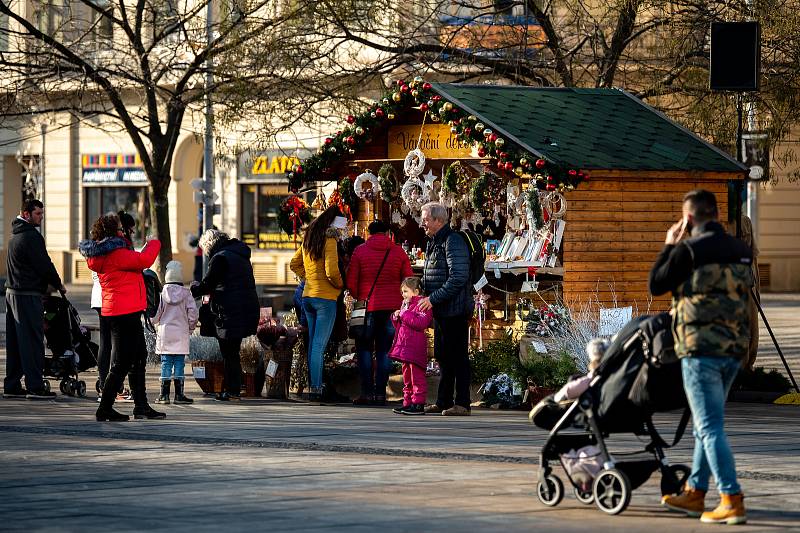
column 152, row 287
column 477, row 257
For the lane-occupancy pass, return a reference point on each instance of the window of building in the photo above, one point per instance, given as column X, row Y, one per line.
column 134, row 200
column 504, row 7
column 3, row 32
column 167, row 22
column 101, row 21
column 51, row 16
column 259, row 206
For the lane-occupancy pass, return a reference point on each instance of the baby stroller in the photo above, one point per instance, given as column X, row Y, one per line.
column 638, row 376
column 70, row 343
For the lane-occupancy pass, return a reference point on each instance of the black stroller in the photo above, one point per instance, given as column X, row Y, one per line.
column 70, row 344
column 638, row 375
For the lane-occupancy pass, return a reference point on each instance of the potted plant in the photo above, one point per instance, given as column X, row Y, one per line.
column 208, row 367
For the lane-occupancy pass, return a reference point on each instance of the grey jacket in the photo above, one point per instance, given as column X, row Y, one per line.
column 446, row 275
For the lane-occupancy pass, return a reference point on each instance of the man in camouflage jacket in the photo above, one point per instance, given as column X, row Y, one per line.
column 710, row 278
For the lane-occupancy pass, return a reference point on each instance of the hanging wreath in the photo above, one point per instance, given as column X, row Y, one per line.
column 387, row 179
column 349, row 200
column 414, row 194
column 293, row 214
column 366, row 186
column 414, row 163
column 486, row 192
column 556, row 204
column 535, row 207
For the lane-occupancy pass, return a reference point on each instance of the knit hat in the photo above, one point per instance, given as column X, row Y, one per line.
column 210, row 239
column 174, row 272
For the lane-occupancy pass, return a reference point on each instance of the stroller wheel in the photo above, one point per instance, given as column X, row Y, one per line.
column 97, row 387
column 586, row 498
column 612, row 491
column 64, row 386
column 80, row 388
column 46, row 384
column 673, row 480
column 550, row 490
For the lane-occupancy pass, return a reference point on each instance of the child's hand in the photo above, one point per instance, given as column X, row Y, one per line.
column 396, row 315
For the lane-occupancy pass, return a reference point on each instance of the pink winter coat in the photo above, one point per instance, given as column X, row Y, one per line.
column 410, row 343
column 175, row 320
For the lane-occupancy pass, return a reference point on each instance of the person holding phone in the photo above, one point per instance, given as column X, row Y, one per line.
column 709, row 275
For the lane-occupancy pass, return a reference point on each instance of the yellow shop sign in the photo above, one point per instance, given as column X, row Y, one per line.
column 437, row 142
column 276, row 164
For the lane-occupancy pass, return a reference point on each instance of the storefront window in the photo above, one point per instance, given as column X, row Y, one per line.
column 259, row 216
column 134, row 200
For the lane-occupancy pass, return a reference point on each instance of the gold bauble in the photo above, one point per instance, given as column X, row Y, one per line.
column 396, row 97
column 448, row 106
column 390, row 116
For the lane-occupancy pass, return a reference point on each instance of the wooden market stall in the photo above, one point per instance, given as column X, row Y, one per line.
column 617, row 168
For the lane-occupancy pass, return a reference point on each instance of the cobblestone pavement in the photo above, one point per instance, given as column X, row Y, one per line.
column 292, row 466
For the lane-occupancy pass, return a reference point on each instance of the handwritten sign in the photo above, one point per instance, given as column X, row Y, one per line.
column 436, row 141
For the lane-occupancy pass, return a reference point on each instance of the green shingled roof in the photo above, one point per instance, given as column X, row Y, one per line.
column 588, row 128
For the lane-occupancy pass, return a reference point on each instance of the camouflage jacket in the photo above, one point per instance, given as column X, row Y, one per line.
column 710, row 311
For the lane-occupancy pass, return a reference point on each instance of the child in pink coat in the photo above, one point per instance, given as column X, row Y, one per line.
column 411, row 347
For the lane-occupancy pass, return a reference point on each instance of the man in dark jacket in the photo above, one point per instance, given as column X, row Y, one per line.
column 30, row 273
column 446, row 284
column 710, row 278
column 234, row 301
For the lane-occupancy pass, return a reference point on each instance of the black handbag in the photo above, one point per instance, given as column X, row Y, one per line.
column 362, row 322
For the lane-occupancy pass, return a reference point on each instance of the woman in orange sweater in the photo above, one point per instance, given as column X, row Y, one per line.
column 317, row 262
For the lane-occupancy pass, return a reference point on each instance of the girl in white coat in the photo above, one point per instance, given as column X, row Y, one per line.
column 175, row 321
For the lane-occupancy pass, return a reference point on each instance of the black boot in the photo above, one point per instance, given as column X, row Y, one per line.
column 106, row 411
column 145, row 411
column 164, row 398
column 142, row 409
column 179, row 397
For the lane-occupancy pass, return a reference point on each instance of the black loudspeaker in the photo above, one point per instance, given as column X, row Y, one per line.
column 735, row 56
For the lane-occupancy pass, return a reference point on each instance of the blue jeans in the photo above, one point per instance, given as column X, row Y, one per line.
column 380, row 344
column 707, row 380
column 170, row 362
column 321, row 314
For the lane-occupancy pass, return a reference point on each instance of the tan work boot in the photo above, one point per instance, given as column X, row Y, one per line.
column 690, row 501
column 456, row 410
column 729, row 511
column 432, row 409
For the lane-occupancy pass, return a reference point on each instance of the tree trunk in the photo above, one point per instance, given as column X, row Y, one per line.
column 159, row 214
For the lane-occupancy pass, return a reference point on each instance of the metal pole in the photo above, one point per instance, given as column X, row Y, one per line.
column 752, row 186
column 43, row 127
column 208, row 149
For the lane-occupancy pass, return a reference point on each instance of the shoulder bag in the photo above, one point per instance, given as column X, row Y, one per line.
column 361, row 325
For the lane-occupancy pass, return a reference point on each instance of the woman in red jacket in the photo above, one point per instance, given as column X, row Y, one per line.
column 124, row 299
column 361, row 274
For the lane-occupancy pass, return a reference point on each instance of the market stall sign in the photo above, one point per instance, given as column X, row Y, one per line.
column 269, row 165
column 112, row 168
column 437, row 142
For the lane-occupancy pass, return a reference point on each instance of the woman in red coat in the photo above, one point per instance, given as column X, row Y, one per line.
column 124, row 299
column 362, row 273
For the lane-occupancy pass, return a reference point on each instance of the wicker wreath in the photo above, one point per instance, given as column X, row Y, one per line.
column 414, row 163
column 414, row 194
column 367, row 193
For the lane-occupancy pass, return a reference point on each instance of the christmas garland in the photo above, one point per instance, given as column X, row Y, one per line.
column 387, row 179
column 345, row 197
column 419, row 94
column 456, row 179
column 293, row 214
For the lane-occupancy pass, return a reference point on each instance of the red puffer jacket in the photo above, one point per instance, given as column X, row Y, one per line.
column 120, row 273
column 364, row 267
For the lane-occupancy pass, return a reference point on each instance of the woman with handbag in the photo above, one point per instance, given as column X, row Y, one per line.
column 374, row 276
column 317, row 262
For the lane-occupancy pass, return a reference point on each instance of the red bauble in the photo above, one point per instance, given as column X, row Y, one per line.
column 467, row 131
column 456, row 122
column 328, row 140
column 550, row 187
column 351, row 140
column 423, row 107
column 350, row 119
column 481, row 152
column 400, row 83
column 572, row 173
column 298, row 169
column 549, row 177
column 454, row 110
column 436, row 98
column 379, row 113
column 501, row 165
column 404, row 89
column 426, row 86
column 493, row 137
column 509, row 165
column 540, row 163
column 502, row 155
column 585, row 177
